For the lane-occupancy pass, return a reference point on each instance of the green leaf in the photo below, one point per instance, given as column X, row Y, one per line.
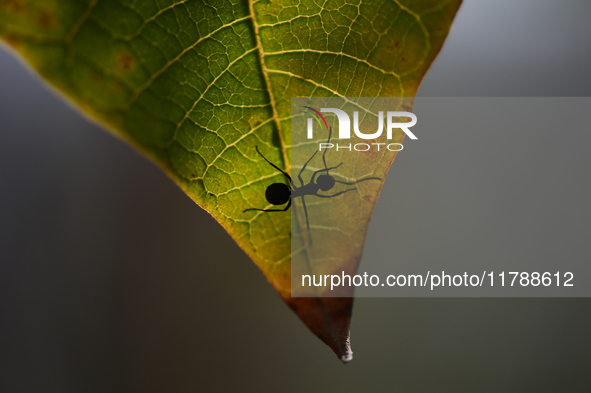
column 197, row 85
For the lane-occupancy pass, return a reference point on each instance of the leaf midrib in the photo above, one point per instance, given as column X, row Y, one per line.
column 264, row 71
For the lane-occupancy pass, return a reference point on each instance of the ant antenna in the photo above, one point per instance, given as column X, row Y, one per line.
column 275, row 166
column 324, row 153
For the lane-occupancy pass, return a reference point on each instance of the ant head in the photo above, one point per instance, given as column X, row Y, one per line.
column 278, row 194
column 326, row 182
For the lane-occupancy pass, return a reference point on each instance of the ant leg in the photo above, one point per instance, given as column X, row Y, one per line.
column 269, row 210
column 328, row 169
column 335, row 195
column 276, row 167
column 358, row 181
column 306, row 212
column 325, row 150
column 304, row 167
column 307, row 220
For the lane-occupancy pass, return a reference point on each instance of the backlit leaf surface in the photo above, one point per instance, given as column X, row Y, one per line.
column 197, row 84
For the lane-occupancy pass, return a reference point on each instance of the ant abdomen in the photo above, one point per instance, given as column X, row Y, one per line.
column 278, row 193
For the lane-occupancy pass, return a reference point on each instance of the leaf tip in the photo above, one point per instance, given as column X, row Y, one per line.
column 329, row 319
column 347, row 355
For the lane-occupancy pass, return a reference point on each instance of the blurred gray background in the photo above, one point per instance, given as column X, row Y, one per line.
column 111, row 279
column 493, row 184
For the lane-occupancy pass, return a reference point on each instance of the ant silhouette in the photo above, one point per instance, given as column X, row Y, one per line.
column 280, row 193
